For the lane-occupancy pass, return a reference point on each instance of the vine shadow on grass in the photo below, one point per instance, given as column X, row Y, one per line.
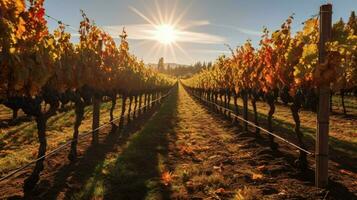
column 136, row 173
column 335, row 189
column 87, row 165
column 341, row 152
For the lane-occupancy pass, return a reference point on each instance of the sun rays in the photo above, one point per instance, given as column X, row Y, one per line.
column 165, row 33
column 168, row 29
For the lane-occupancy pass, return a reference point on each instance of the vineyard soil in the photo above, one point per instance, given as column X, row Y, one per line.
column 343, row 129
column 183, row 151
column 18, row 144
column 58, row 169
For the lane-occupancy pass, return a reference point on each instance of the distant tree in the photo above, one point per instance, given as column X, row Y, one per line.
column 204, row 66
column 197, row 65
column 337, row 31
column 160, row 65
column 183, row 70
column 352, row 22
column 209, row 65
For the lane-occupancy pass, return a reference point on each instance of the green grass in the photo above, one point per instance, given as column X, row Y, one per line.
column 350, row 103
column 94, row 187
column 18, row 144
column 136, row 172
column 343, row 135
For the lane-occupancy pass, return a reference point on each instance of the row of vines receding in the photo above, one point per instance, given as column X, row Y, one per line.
column 42, row 71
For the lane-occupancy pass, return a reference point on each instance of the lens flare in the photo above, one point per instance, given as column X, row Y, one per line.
column 165, row 33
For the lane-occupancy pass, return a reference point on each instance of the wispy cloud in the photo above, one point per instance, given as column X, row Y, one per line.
column 240, row 29
column 182, row 33
column 249, row 32
column 135, row 31
column 195, row 23
column 203, row 38
column 145, row 32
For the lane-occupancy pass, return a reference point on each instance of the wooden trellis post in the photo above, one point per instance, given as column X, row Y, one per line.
column 96, row 106
column 322, row 130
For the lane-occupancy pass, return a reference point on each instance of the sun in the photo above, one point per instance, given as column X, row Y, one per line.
column 165, row 33
column 167, row 30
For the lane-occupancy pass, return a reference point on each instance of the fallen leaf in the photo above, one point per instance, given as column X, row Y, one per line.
column 283, row 192
column 166, row 178
column 219, row 168
column 256, row 176
column 220, row 191
column 186, row 151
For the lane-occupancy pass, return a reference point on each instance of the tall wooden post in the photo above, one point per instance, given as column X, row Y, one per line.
column 96, row 106
column 322, row 134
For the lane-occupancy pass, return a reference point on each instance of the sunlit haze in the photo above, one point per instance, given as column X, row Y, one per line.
column 165, row 33
column 186, row 31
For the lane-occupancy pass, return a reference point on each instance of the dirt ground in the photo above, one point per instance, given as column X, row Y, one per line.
column 182, row 151
column 213, row 159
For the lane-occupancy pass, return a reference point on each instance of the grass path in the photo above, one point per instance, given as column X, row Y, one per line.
column 183, row 151
column 343, row 130
column 82, row 179
column 19, row 144
column 210, row 159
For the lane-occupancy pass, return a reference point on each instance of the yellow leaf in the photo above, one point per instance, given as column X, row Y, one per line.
column 12, row 50
column 166, row 178
column 257, row 176
column 220, row 191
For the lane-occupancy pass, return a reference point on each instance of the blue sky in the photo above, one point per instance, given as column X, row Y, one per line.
column 209, row 24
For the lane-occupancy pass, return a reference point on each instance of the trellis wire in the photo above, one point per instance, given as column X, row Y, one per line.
column 254, row 125
column 79, row 137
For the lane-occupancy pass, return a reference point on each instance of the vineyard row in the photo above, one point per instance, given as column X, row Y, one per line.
column 39, row 68
column 301, row 69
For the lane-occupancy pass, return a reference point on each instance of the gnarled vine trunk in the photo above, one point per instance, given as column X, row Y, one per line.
column 79, row 111
column 135, row 106
column 216, row 101
column 129, row 109
column 140, row 103
column 14, row 104
column 254, row 105
column 111, row 113
column 245, row 109
column 212, row 99
column 31, row 181
column 225, row 104
column 148, row 101
column 229, row 103
column 236, row 108
column 302, row 161
column 270, row 100
column 14, row 114
column 123, row 105
column 145, row 101
column 221, row 102
column 33, row 107
column 96, row 117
